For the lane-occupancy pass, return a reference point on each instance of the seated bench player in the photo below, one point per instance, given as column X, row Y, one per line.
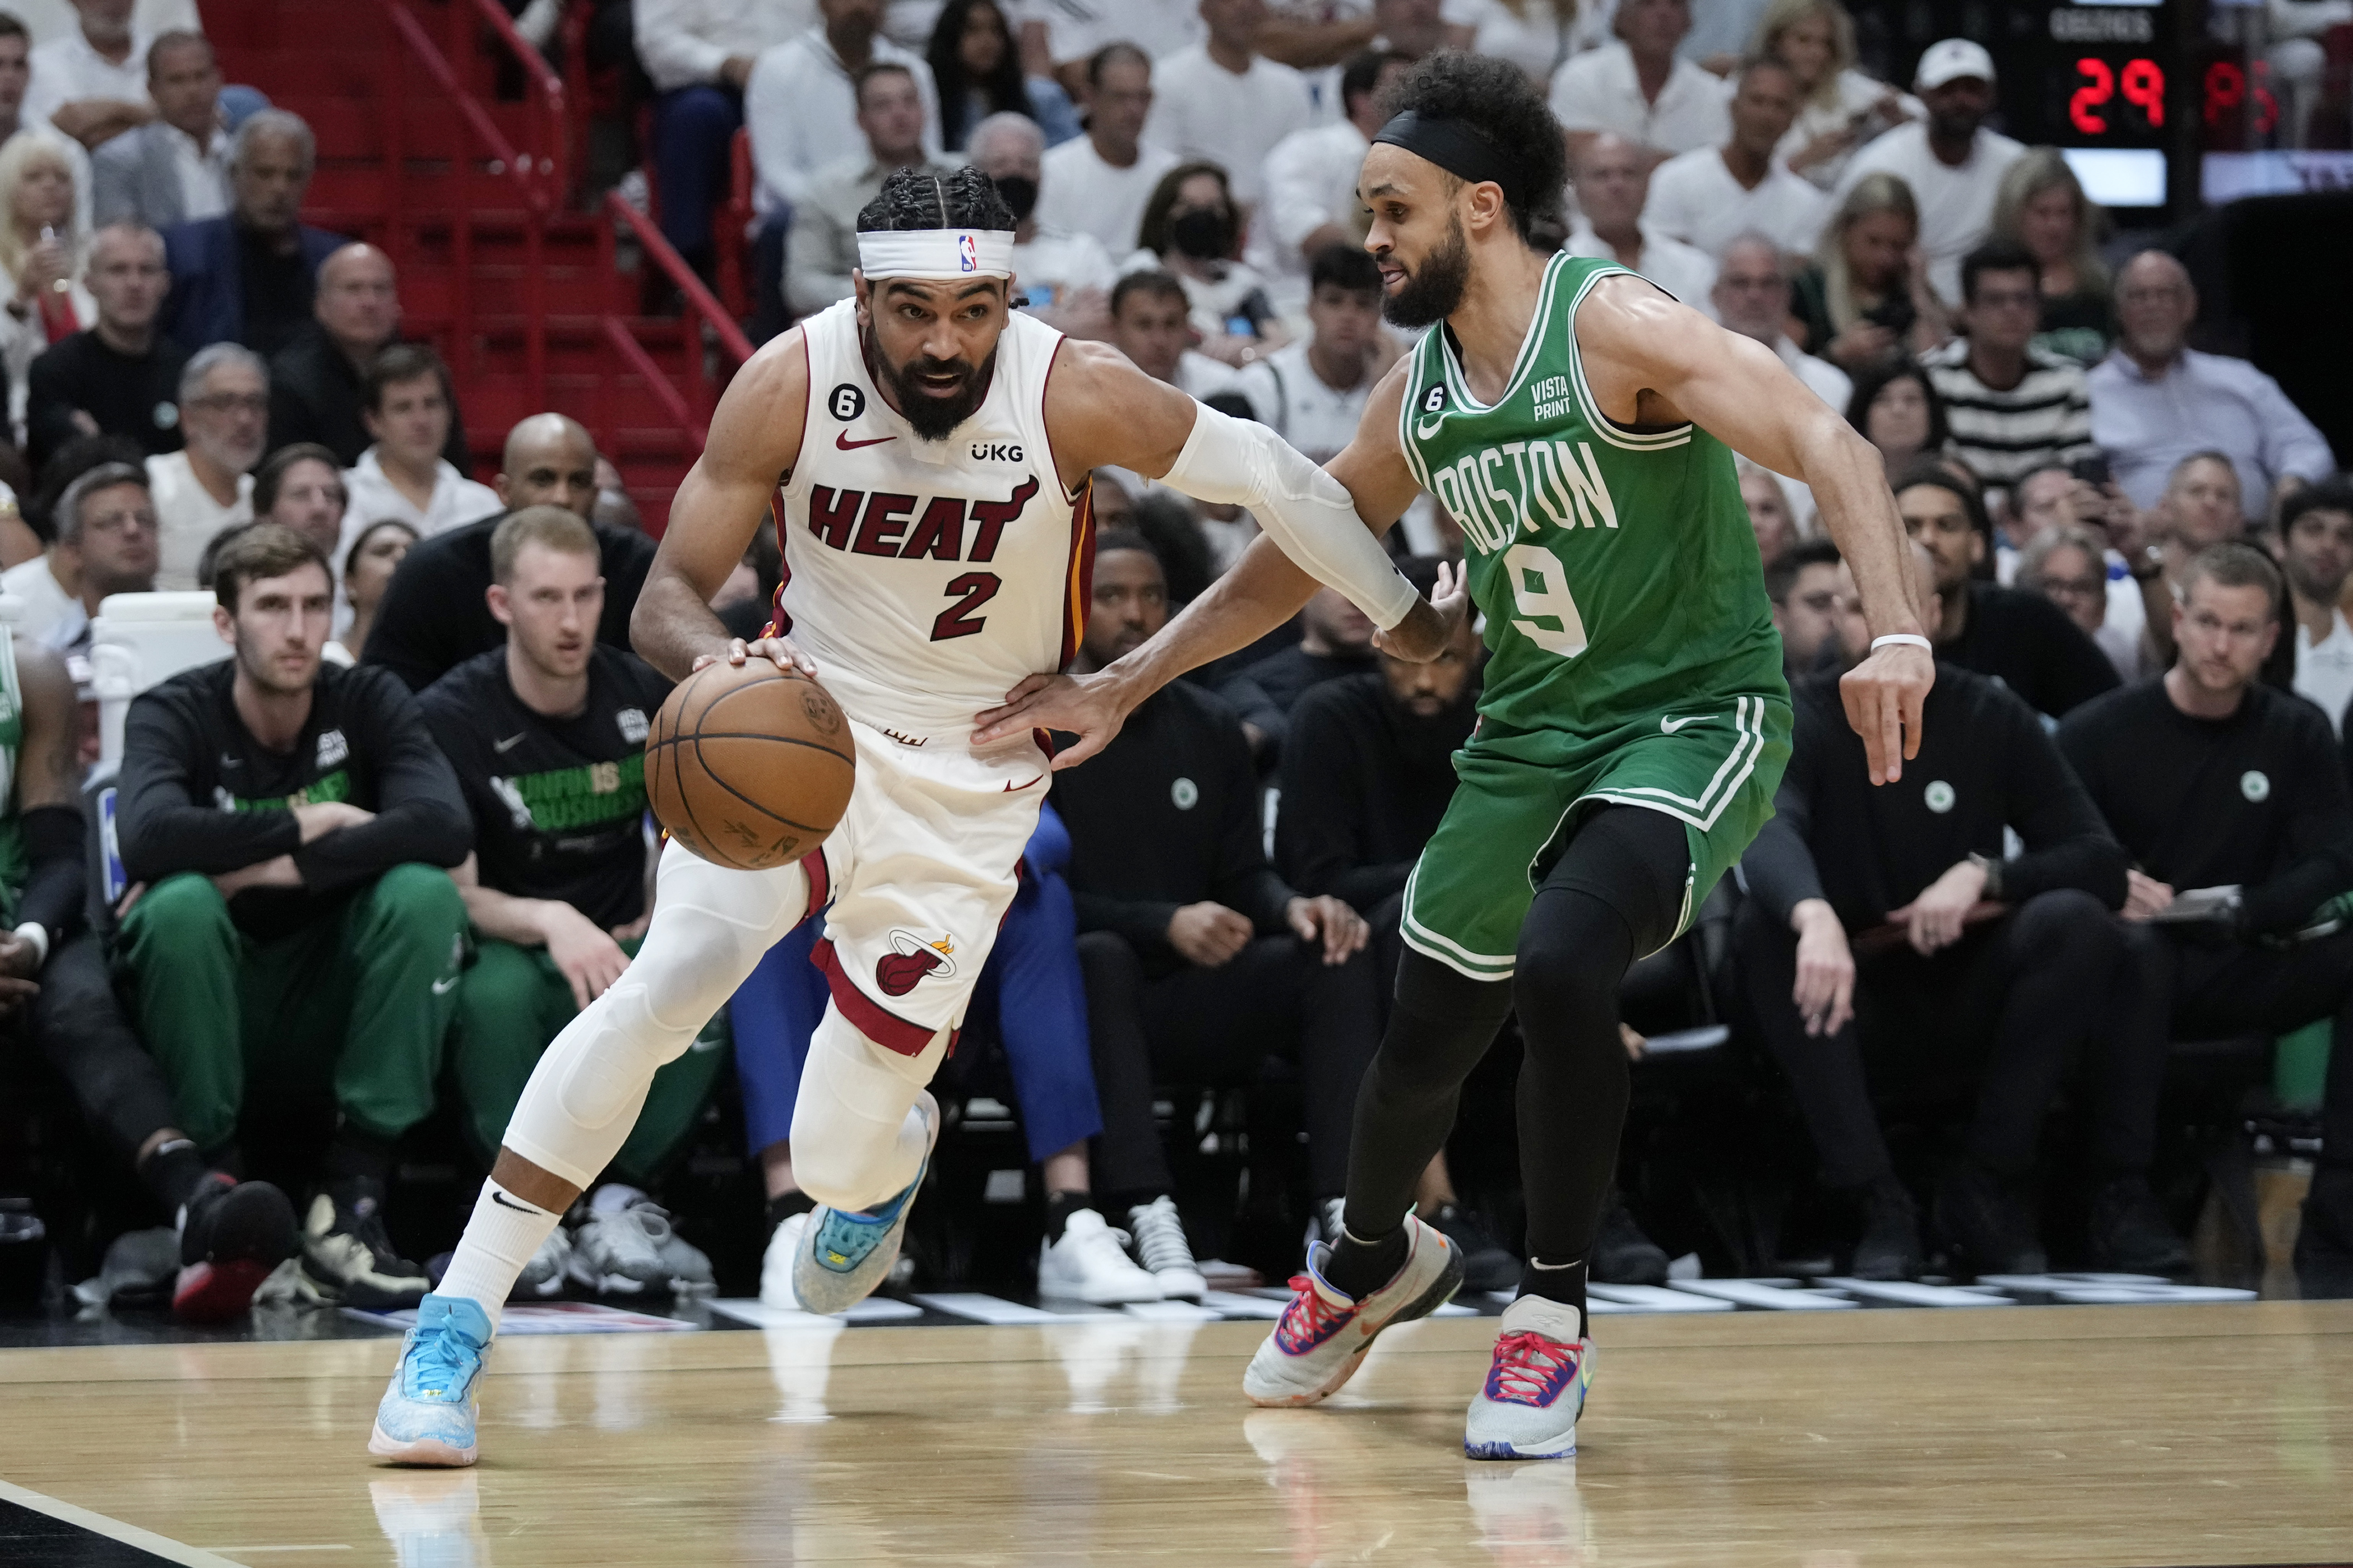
column 547, row 734
column 292, row 822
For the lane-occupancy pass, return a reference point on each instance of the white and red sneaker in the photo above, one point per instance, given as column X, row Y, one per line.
column 1323, row 1336
column 1536, row 1385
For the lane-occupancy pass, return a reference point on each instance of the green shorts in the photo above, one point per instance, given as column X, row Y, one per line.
column 1713, row 767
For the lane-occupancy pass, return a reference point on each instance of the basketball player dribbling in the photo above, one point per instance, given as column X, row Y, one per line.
column 1580, row 424
column 934, row 447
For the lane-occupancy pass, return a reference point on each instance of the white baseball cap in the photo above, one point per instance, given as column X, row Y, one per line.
column 1949, row 59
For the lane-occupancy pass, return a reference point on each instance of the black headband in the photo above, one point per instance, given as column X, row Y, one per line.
column 1455, row 147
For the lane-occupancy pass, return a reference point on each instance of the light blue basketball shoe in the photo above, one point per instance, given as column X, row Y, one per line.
column 842, row 1257
column 427, row 1415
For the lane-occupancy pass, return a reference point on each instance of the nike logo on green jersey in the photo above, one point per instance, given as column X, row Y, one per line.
column 1669, row 726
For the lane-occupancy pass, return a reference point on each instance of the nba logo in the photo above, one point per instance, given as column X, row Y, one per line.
column 968, row 253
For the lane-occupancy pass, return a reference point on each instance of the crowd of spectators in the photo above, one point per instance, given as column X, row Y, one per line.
column 368, row 864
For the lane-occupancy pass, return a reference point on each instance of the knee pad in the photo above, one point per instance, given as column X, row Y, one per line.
column 848, row 1120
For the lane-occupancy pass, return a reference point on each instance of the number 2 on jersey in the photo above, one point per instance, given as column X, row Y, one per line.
column 958, row 620
column 1547, row 599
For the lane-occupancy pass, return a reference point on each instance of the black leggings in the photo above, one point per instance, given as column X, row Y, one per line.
column 1614, row 895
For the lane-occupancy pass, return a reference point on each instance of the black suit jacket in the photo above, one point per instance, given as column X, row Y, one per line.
column 314, row 395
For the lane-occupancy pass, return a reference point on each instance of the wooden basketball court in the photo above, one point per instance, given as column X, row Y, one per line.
column 2083, row 1436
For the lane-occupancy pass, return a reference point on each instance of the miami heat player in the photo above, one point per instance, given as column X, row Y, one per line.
column 925, row 452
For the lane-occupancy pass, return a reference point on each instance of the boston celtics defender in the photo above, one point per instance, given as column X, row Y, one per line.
column 1580, row 424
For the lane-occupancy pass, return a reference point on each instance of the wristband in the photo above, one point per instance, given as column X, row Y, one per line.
column 37, row 934
column 1902, row 639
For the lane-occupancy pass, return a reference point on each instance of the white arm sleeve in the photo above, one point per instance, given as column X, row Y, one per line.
column 1303, row 510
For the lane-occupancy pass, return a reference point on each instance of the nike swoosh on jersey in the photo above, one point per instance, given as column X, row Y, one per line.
column 443, row 987
column 508, row 743
column 842, row 440
column 1669, row 726
column 1012, row 788
column 1426, row 432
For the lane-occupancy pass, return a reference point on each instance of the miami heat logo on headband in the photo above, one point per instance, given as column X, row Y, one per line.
column 936, row 253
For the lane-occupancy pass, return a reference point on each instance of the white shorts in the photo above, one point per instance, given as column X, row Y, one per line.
column 917, row 877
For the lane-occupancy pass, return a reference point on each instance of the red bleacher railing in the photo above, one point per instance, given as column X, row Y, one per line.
column 484, row 167
column 703, row 312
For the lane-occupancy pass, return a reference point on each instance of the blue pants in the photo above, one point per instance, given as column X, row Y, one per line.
column 1031, row 981
column 693, row 130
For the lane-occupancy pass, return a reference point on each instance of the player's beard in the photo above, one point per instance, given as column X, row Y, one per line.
column 1434, row 289
column 935, row 418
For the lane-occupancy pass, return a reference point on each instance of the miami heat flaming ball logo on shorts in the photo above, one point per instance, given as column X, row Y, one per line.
column 910, row 959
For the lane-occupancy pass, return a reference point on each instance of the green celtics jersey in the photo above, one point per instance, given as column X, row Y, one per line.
column 1615, row 566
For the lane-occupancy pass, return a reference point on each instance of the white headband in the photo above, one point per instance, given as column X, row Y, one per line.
column 936, row 253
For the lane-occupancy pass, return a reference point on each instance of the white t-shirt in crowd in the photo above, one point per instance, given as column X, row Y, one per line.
column 682, row 42
column 202, row 171
column 2323, row 669
column 456, row 500
column 1956, row 205
column 1079, row 192
column 801, row 108
column 1694, row 198
column 1598, row 91
column 186, row 517
column 1853, row 94
column 65, row 69
column 48, row 19
column 1201, row 110
column 1310, row 180
column 1077, row 28
column 46, row 605
column 1058, row 262
column 1682, row 271
column 1823, row 378
column 1535, row 37
column 1300, row 406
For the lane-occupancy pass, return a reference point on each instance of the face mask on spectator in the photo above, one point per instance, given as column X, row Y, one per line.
column 1206, row 233
column 1020, row 194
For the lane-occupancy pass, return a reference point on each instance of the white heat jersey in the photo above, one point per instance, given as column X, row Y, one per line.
column 927, row 578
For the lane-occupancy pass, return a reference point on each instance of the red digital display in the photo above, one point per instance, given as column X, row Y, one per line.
column 2227, row 90
column 2138, row 82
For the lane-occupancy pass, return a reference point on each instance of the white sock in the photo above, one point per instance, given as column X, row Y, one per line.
column 499, row 1241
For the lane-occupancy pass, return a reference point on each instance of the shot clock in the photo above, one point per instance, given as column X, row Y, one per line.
column 2103, row 83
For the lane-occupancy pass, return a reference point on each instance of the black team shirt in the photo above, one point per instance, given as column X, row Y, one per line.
column 1984, row 764
column 434, row 616
column 1364, row 781
column 1168, row 815
column 199, row 793
column 128, row 395
column 2257, row 799
column 2030, row 645
column 558, row 803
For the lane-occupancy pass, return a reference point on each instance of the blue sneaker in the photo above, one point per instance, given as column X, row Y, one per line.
column 427, row 1414
column 843, row 1256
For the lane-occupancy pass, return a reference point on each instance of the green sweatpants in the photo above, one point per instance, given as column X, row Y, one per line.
column 358, row 1003
column 511, row 1007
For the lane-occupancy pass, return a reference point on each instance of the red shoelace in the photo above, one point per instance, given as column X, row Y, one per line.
column 1310, row 1320
column 1530, row 1369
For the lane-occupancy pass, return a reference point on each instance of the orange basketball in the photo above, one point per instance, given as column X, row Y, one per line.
column 748, row 765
